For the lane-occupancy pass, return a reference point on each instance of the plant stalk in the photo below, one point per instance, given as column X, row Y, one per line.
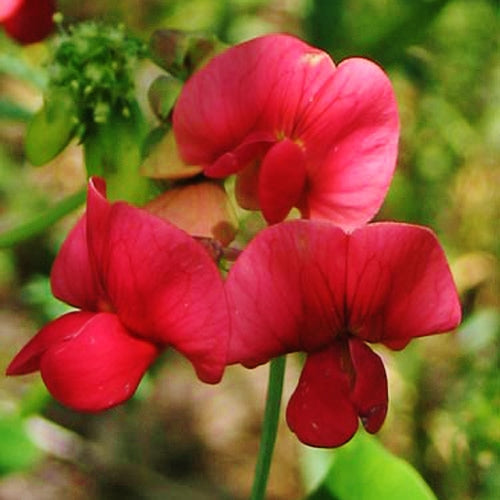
column 270, row 427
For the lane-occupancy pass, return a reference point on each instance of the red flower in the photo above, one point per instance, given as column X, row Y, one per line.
column 299, row 131
column 27, row 21
column 309, row 286
column 142, row 285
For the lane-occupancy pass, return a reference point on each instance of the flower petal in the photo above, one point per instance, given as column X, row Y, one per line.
column 252, row 148
column 251, row 87
column 202, row 209
column 162, row 284
column 8, row 8
column 72, row 278
column 163, row 161
column 350, row 133
column 399, row 285
column 281, row 180
column 60, row 330
column 31, row 21
column 370, row 394
column 320, row 411
column 286, row 291
column 99, row 368
column 246, row 187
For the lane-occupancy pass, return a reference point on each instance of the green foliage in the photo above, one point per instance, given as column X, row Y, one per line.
column 51, row 128
column 181, row 53
column 38, row 295
column 162, row 95
column 39, row 223
column 364, row 470
column 17, row 450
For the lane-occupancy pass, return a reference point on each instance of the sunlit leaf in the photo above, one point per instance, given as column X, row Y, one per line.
column 17, row 450
column 364, row 470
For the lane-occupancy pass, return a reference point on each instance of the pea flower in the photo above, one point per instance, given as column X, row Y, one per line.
column 298, row 130
column 27, row 21
column 141, row 285
column 309, row 286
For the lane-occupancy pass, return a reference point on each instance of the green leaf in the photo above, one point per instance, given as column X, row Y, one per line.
column 364, row 470
column 17, row 450
column 51, row 128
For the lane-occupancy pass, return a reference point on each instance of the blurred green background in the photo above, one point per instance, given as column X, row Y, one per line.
column 180, row 439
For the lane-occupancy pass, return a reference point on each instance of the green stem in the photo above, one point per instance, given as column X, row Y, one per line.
column 270, row 427
column 43, row 221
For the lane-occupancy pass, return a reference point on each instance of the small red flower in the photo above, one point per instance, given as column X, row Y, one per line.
column 27, row 21
column 309, row 286
column 141, row 285
column 298, row 130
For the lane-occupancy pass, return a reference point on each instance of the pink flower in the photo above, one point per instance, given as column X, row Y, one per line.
column 309, row 286
column 141, row 285
column 298, row 130
column 27, row 21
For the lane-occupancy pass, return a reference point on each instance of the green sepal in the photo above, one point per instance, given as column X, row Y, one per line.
column 51, row 128
column 181, row 52
column 162, row 95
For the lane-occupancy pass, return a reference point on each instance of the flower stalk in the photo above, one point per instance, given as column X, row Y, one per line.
column 270, row 427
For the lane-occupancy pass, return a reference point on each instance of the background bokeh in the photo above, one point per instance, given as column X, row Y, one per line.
column 180, row 439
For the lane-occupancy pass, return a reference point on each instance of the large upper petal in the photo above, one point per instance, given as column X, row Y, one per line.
column 286, row 291
column 274, row 87
column 258, row 85
column 399, row 285
column 97, row 367
column 162, row 283
column 350, row 134
column 320, row 411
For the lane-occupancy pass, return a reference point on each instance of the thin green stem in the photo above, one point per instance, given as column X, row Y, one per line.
column 41, row 222
column 270, row 427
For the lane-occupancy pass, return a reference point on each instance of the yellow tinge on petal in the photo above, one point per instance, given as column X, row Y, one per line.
column 164, row 162
column 202, row 209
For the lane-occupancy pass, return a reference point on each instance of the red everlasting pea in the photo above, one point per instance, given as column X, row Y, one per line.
column 309, row 286
column 27, row 21
column 141, row 285
column 298, row 130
